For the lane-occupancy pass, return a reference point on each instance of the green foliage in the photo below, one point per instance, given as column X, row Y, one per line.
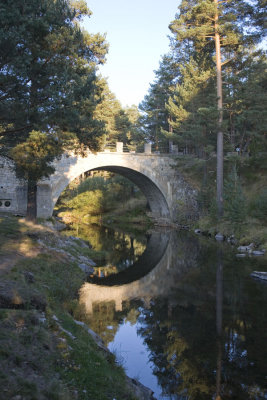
column 121, row 124
column 234, row 201
column 204, row 198
column 98, row 195
column 90, row 202
column 258, row 206
column 48, row 82
column 97, row 182
column 181, row 104
column 190, row 106
column 156, row 119
column 33, row 156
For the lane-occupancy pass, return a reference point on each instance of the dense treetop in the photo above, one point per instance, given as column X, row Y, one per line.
column 181, row 103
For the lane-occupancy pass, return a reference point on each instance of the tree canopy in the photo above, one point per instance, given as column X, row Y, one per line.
column 208, row 94
column 181, row 103
column 48, row 83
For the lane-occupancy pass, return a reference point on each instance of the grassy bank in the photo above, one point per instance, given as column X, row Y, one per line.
column 44, row 353
column 245, row 196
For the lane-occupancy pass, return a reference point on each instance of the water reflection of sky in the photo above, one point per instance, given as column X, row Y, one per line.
column 133, row 354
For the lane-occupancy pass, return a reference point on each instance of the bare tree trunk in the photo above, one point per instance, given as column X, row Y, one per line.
column 32, row 201
column 220, row 119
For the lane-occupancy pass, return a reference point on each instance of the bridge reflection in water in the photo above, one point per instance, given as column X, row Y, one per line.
column 160, row 267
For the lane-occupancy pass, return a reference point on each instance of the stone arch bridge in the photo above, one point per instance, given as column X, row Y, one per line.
column 166, row 190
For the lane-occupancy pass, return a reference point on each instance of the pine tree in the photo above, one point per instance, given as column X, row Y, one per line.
column 48, row 81
column 191, row 110
column 121, row 124
column 209, row 26
column 156, row 118
column 235, row 204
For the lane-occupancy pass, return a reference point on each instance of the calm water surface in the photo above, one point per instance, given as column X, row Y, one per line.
column 185, row 318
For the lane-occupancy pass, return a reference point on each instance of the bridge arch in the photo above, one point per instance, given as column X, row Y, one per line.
column 168, row 193
column 142, row 170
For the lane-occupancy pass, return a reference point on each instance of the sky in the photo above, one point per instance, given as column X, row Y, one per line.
column 137, row 35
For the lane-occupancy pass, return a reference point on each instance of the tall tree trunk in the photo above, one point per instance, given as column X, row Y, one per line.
column 220, row 119
column 32, row 201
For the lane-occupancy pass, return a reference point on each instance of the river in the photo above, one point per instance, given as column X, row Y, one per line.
column 182, row 314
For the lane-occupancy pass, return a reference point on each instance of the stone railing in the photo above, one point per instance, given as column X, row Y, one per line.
column 148, row 148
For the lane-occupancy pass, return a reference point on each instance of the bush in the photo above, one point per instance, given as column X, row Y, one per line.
column 258, row 206
column 88, row 203
column 95, row 183
column 234, row 200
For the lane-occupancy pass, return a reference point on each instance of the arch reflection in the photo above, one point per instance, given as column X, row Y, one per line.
column 156, row 247
column 161, row 266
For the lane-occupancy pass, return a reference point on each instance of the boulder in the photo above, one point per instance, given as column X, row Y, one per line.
column 243, row 249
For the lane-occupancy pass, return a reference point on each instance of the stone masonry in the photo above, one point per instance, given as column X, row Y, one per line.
column 166, row 190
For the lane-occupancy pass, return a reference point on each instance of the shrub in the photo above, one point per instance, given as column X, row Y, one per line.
column 88, row 203
column 258, row 206
column 95, row 183
column 234, row 200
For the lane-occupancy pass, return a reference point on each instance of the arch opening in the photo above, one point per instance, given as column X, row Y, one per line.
column 156, row 200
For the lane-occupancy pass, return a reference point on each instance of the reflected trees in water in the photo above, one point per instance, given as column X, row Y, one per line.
column 206, row 331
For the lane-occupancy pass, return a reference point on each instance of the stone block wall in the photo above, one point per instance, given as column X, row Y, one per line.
column 13, row 192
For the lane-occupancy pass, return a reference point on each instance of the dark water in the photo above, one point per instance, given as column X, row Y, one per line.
column 186, row 319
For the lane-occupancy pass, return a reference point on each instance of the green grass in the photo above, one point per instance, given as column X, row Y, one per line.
column 38, row 360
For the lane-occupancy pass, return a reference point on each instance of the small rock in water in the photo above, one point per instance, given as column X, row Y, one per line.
column 219, row 236
column 258, row 252
column 243, row 249
column 240, row 255
column 259, row 275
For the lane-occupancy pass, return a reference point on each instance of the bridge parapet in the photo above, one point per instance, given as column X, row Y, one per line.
column 148, row 148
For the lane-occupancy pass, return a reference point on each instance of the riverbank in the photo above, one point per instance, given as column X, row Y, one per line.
column 45, row 353
column 245, row 197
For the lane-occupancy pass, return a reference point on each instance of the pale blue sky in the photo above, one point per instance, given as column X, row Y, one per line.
column 137, row 34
